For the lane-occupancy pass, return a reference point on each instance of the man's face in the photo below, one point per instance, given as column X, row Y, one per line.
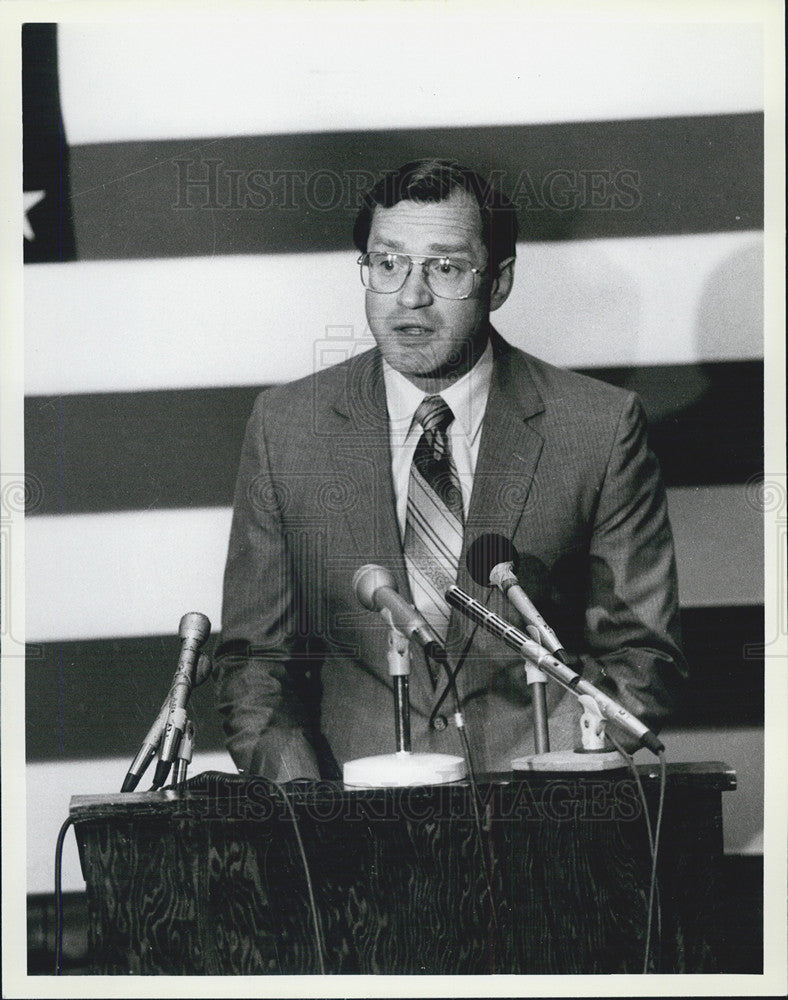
column 426, row 338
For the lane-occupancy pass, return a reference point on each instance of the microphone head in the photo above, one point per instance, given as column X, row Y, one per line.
column 487, row 552
column 194, row 626
column 367, row 580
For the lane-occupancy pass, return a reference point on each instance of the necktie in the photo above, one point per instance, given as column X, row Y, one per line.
column 434, row 521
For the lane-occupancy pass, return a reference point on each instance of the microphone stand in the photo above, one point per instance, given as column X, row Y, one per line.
column 537, row 681
column 398, row 658
column 185, row 753
column 593, row 757
column 402, row 768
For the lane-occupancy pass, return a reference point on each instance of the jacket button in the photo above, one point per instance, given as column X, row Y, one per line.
column 439, row 723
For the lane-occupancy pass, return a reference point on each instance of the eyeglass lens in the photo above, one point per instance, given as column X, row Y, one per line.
column 445, row 277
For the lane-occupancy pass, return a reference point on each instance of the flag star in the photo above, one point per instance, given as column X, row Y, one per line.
column 32, row 198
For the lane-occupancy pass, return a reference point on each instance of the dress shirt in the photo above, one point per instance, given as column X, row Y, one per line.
column 467, row 398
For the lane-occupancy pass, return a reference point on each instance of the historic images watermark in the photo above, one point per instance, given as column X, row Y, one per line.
column 213, row 184
column 21, row 493
column 592, row 799
column 768, row 494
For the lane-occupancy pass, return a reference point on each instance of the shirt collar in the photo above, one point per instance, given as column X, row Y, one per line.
column 467, row 397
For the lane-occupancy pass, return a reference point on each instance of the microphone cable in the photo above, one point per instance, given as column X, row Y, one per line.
column 319, row 942
column 653, row 840
column 59, row 894
column 452, row 676
column 474, row 788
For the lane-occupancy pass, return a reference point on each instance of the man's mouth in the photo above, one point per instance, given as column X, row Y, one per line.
column 413, row 329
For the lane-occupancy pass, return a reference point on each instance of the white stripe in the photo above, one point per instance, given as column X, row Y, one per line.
column 205, row 321
column 50, row 786
column 649, row 300
column 123, row 574
column 302, row 68
column 94, row 576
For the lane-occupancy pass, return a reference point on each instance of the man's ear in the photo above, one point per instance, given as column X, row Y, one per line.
column 502, row 284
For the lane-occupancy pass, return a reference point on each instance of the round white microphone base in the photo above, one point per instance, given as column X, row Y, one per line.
column 569, row 760
column 398, row 770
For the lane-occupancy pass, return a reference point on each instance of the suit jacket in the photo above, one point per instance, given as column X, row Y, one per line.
column 563, row 470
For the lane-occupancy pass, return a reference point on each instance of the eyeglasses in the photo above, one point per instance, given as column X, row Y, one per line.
column 445, row 277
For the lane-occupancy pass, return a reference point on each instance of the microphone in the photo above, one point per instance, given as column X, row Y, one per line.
column 150, row 744
column 491, row 561
column 551, row 665
column 376, row 589
column 194, row 629
column 185, row 753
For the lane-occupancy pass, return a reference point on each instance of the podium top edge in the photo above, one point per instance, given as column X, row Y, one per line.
column 711, row 776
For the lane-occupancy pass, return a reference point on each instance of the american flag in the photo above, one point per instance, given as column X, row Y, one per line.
column 189, row 195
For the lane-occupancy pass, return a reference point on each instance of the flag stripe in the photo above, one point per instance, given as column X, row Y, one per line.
column 299, row 193
column 97, row 698
column 206, row 322
column 179, row 448
column 136, row 573
column 429, row 65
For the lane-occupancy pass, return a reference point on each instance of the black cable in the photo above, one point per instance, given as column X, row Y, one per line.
column 59, row 894
column 653, row 840
column 474, row 789
column 452, row 675
column 658, row 830
column 312, row 904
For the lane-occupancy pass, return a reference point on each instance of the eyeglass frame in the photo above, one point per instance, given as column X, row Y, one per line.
column 423, row 261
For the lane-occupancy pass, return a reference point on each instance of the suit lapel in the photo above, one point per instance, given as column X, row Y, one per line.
column 509, row 449
column 509, row 452
column 362, row 451
column 361, row 446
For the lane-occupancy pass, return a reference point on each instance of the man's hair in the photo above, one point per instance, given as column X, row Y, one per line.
column 432, row 181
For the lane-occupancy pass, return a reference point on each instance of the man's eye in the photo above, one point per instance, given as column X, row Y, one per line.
column 448, row 267
column 384, row 262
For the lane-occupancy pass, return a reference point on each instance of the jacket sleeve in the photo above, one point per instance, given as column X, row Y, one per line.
column 632, row 627
column 265, row 683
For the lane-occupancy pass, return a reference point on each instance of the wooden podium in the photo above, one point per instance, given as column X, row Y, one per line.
column 210, row 880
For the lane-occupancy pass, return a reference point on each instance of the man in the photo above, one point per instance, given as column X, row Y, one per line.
column 403, row 456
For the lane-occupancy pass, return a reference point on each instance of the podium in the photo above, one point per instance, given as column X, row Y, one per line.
column 210, row 880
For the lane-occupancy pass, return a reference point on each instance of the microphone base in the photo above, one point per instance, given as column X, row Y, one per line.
column 570, row 760
column 403, row 769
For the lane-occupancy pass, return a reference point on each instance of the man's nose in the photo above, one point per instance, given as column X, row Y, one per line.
column 415, row 292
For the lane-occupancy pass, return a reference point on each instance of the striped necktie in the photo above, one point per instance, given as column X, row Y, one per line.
column 434, row 522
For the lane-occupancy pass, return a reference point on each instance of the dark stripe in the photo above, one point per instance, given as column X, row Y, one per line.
column 299, row 193
column 180, row 448
column 724, row 649
column 705, row 420
column 135, row 450
column 97, row 698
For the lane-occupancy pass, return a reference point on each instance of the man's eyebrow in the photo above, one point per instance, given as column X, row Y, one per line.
column 438, row 248
column 393, row 244
column 450, row 248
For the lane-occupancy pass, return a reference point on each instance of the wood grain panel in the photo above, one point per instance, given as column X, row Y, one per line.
column 212, row 881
